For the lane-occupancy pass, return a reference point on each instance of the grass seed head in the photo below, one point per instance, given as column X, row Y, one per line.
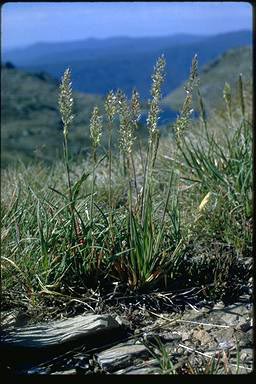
column 204, row 202
column 154, row 110
column 110, row 105
column 95, row 127
column 66, row 101
column 158, row 77
column 135, row 107
column 193, row 80
column 186, row 111
column 127, row 137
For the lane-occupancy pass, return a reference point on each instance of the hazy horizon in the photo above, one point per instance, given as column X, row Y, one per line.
column 26, row 24
column 121, row 37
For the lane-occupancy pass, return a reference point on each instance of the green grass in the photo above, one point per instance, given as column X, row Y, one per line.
column 136, row 217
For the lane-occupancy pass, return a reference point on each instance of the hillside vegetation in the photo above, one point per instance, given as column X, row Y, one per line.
column 213, row 77
column 124, row 63
column 30, row 120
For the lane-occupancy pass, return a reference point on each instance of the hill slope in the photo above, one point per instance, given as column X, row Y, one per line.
column 101, row 65
column 225, row 68
column 31, row 125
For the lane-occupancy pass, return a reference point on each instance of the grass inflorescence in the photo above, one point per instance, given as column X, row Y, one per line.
column 160, row 217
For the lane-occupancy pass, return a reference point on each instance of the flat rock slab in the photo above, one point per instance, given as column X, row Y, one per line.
column 56, row 337
column 137, row 371
column 120, row 356
column 67, row 372
column 59, row 332
column 232, row 314
column 148, row 367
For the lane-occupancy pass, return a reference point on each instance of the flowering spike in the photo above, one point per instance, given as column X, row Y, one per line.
column 154, row 110
column 66, row 101
column 95, row 127
column 110, row 105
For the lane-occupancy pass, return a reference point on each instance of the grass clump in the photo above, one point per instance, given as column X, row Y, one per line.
column 131, row 217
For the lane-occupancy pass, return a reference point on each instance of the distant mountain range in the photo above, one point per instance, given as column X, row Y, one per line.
column 226, row 68
column 30, row 121
column 99, row 65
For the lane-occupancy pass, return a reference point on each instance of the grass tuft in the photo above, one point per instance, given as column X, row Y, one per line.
column 134, row 217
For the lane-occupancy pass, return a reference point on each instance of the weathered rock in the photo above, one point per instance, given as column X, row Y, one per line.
column 202, row 336
column 11, row 319
column 37, row 371
column 8, row 319
column 230, row 315
column 120, row 356
column 185, row 336
column 199, row 315
column 138, row 371
column 224, row 337
column 122, row 321
column 246, row 354
column 58, row 332
column 148, row 367
column 65, row 372
column 34, row 344
column 245, row 326
column 219, row 306
column 190, row 336
column 247, row 261
column 245, row 339
column 170, row 336
column 226, row 343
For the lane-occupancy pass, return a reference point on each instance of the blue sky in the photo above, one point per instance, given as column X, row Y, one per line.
column 28, row 23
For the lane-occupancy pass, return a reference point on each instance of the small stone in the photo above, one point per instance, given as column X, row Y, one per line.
column 202, row 336
column 82, row 366
column 246, row 298
column 171, row 336
column 38, row 371
column 243, row 356
column 186, row 336
column 246, row 353
column 245, row 338
column 67, row 372
column 142, row 371
column 122, row 321
column 245, row 326
column 91, row 362
column 120, row 356
column 248, row 262
column 226, row 344
column 218, row 306
column 137, row 371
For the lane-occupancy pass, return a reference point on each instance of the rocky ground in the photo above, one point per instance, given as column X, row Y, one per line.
column 199, row 340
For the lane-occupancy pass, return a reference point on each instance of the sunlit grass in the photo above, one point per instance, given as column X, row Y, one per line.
column 131, row 216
